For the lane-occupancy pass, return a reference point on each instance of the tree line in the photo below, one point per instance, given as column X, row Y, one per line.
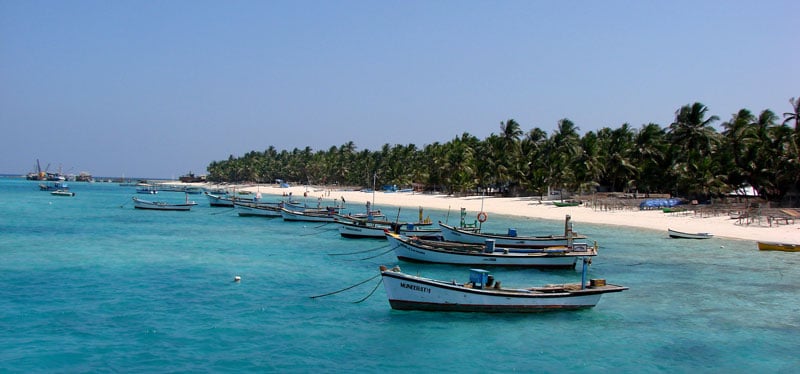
column 688, row 158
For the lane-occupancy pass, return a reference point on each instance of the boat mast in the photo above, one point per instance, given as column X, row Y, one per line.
column 583, row 272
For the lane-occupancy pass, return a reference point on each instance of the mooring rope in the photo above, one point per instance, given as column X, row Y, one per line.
column 355, row 253
column 346, row 288
column 317, row 232
column 225, row 211
column 372, row 292
column 371, row 257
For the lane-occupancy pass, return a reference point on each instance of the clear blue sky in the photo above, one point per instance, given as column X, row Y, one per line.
column 160, row 88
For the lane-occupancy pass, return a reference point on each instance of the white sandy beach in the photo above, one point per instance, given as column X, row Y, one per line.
column 719, row 226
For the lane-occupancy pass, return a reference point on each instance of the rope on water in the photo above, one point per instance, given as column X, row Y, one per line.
column 225, row 211
column 354, row 253
column 370, row 294
column 371, row 257
column 346, row 288
column 317, row 232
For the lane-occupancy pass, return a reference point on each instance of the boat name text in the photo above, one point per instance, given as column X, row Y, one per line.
column 414, row 287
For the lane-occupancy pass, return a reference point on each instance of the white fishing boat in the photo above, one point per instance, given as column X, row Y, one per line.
column 487, row 254
column 161, row 205
column 149, row 190
column 484, row 294
column 510, row 239
column 377, row 230
column 62, row 193
column 219, row 200
column 53, row 186
column 261, row 209
column 319, row 215
column 675, row 234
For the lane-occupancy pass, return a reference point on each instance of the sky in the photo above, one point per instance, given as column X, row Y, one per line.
column 162, row 88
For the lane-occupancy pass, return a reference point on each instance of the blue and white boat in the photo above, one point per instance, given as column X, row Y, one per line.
column 485, row 294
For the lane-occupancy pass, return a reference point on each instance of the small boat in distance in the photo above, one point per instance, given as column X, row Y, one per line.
column 483, row 294
column 161, row 205
column 149, row 189
column 675, row 234
column 62, row 193
column 775, row 246
column 53, row 186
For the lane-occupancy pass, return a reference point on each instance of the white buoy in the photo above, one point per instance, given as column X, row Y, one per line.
column 237, row 278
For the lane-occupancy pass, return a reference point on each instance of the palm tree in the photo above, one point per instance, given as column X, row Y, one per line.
column 692, row 140
column 794, row 115
column 590, row 165
column 510, row 135
column 533, row 162
column 649, row 155
column 563, row 150
column 740, row 135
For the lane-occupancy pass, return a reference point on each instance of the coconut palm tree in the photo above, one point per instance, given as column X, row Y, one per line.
column 692, row 139
column 649, row 155
column 563, row 150
column 794, row 115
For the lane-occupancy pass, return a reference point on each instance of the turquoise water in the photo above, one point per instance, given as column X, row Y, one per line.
column 89, row 284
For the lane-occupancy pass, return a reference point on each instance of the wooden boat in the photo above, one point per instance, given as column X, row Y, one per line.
column 261, row 209
column 511, row 239
column 320, row 215
column 562, row 204
column 483, row 294
column 377, row 230
column 62, row 193
column 686, row 235
column 161, row 205
column 53, row 186
column 151, row 190
column 295, row 206
column 219, row 200
column 775, row 246
column 442, row 252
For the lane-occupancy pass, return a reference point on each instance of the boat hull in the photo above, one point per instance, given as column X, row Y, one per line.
column 377, row 231
column 289, row 215
column 219, row 201
column 774, row 246
column 555, row 257
column 62, row 193
column 408, row 292
column 685, row 235
column 258, row 210
column 151, row 205
column 454, row 234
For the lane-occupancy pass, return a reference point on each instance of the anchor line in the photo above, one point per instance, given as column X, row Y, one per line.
column 346, row 288
column 317, row 232
column 378, row 255
column 225, row 211
column 371, row 292
column 354, row 253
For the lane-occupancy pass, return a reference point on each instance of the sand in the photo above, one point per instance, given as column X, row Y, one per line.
column 719, row 226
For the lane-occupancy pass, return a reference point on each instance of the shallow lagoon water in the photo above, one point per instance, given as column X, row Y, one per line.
column 90, row 284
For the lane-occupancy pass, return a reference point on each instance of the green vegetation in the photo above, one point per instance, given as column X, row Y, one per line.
column 687, row 158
